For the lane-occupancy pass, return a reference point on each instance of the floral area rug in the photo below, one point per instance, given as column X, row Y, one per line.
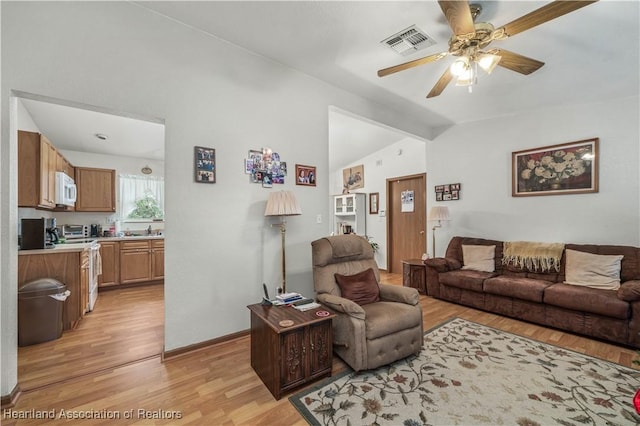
column 471, row 374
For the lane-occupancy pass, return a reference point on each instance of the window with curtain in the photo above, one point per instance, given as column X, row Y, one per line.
column 141, row 197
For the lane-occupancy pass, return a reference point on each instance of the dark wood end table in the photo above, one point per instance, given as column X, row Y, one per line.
column 414, row 275
column 288, row 356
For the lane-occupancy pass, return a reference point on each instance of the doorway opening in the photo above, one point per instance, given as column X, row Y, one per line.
column 127, row 323
column 383, row 152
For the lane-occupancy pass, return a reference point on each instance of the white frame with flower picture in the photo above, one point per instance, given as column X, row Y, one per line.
column 569, row 168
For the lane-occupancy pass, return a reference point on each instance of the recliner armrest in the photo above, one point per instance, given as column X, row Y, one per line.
column 629, row 291
column 394, row 293
column 341, row 304
column 443, row 264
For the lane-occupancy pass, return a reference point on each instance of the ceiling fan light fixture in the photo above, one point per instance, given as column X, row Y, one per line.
column 488, row 61
column 460, row 66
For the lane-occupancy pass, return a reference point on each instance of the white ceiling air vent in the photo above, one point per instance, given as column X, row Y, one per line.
column 409, row 41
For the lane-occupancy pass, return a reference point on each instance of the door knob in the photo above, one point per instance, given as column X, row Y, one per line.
column 421, row 232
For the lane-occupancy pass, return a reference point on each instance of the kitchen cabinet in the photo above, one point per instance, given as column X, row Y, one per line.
column 96, row 189
column 157, row 259
column 110, row 255
column 36, row 171
column 66, row 267
column 141, row 260
column 349, row 214
column 63, row 165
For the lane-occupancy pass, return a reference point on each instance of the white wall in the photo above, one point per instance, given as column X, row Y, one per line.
column 25, row 121
column 403, row 158
column 219, row 249
column 478, row 155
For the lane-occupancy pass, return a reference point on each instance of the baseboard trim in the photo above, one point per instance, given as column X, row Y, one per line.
column 9, row 401
column 174, row 353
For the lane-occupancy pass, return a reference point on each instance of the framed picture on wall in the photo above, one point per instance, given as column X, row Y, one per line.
column 353, row 177
column 204, row 164
column 373, row 202
column 305, row 175
column 569, row 168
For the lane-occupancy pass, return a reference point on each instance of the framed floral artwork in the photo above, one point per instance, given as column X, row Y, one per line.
column 569, row 168
column 204, row 163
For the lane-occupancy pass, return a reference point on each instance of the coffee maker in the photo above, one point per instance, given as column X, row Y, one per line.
column 38, row 233
column 52, row 232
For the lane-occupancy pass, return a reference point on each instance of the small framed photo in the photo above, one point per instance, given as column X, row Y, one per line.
column 373, row 202
column 204, row 164
column 305, row 175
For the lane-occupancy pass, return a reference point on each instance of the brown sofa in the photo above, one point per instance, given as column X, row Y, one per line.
column 541, row 297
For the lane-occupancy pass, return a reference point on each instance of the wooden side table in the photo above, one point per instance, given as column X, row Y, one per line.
column 414, row 275
column 285, row 357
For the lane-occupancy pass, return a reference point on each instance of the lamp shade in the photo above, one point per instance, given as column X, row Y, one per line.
column 282, row 203
column 439, row 213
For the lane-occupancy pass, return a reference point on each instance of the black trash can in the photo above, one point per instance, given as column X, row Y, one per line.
column 40, row 306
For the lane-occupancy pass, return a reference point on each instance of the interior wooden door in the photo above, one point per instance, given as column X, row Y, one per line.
column 406, row 226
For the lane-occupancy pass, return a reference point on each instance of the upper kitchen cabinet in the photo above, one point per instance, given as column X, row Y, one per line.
column 96, row 189
column 37, row 160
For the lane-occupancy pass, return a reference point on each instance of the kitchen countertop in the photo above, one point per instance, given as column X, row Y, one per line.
column 77, row 247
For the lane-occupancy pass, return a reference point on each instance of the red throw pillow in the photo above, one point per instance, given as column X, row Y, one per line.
column 361, row 288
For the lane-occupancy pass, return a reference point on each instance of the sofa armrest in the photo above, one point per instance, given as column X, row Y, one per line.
column 443, row 264
column 629, row 291
column 394, row 293
column 434, row 267
column 340, row 304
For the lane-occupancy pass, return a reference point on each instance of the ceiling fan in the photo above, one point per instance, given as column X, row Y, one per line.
column 470, row 38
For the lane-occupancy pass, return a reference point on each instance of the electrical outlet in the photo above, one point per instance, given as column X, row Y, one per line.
column 319, row 218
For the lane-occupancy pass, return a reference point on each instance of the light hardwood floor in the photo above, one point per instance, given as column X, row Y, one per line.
column 126, row 325
column 217, row 386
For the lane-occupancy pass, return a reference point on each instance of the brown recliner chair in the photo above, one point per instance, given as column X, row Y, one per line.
column 373, row 334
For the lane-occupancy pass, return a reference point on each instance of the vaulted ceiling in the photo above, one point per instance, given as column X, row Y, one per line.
column 590, row 55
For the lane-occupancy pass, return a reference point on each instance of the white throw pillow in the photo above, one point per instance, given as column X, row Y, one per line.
column 592, row 270
column 479, row 258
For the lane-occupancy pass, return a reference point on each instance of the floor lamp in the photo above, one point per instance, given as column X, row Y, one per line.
column 283, row 204
column 437, row 214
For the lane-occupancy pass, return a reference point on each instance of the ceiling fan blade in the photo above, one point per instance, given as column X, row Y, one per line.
column 440, row 85
column 411, row 64
column 458, row 15
column 515, row 62
column 544, row 14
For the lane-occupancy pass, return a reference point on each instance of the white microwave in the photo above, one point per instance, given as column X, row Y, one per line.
column 66, row 191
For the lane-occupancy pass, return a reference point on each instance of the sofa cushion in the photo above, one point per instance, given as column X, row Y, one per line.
column 585, row 299
column 592, row 270
column 383, row 318
column 478, row 257
column 519, row 288
column 465, row 279
column 361, row 288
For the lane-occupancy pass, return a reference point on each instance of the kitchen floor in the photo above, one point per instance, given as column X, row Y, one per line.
column 126, row 325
